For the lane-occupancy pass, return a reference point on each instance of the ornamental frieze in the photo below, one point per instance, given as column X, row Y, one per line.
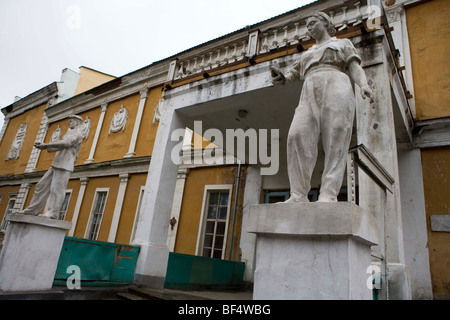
column 119, row 121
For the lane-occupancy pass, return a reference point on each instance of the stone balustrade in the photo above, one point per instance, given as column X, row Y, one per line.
column 294, row 33
column 347, row 16
column 212, row 59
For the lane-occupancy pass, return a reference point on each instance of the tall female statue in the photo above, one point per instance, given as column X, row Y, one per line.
column 326, row 108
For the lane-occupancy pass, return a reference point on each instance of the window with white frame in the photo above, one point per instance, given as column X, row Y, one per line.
column 97, row 211
column 65, row 205
column 9, row 208
column 212, row 242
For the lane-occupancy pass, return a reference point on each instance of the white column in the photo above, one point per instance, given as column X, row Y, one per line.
column 152, row 228
column 35, row 153
column 42, row 132
column 118, row 207
column 21, row 197
column 252, row 196
column 414, row 222
column 376, row 130
column 137, row 124
column 76, row 213
column 176, row 208
column 397, row 19
column 97, row 134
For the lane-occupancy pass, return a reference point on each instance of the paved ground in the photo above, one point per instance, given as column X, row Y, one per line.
column 135, row 293
column 128, row 293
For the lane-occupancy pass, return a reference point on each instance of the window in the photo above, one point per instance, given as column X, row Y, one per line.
column 313, row 195
column 212, row 240
column 9, row 208
column 97, row 214
column 65, row 205
column 275, row 197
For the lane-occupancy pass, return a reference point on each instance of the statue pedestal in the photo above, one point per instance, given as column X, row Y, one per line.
column 312, row 251
column 30, row 253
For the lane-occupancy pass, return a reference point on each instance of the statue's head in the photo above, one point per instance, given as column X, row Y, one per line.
column 74, row 121
column 323, row 19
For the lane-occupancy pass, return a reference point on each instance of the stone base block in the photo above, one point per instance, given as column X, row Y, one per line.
column 30, row 253
column 312, row 251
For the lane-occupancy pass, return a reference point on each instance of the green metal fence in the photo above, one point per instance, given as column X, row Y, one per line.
column 109, row 264
column 100, row 263
column 193, row 272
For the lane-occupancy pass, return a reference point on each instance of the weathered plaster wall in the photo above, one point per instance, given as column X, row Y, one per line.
column 130, row 203
column 33, row 119
column 192, row 207
column 429, row 38
column 436, row 173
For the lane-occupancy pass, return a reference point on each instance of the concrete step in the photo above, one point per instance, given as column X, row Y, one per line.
column 44, row 295
column 129, row 296
column 171, row 294
column 163, row 294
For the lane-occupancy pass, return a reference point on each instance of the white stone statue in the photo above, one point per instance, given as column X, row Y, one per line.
column 86, row 128
column 16, row 146
column 56, row 135
column 326, row 109
column 53, row 184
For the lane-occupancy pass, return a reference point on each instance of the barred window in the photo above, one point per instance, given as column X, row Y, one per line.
column 216, row 222
column 97, row 214
column 65, row 205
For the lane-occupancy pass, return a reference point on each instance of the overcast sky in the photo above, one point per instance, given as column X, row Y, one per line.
column 38, row 39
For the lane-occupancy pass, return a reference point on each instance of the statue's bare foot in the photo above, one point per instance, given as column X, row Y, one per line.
column 327, row 198
column 50, row 215
column 296, row 199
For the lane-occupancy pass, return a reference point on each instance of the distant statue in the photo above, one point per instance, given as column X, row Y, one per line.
column 14, row 151
column 326, row 109
column 53, row 184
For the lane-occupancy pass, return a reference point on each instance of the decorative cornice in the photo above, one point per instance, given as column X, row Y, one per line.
column 135, row 83
column 82, row 172
column 44, row 96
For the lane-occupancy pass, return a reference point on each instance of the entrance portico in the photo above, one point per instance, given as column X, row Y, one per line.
column 217, row 101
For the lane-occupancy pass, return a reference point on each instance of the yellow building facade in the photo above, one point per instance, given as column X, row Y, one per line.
column 429, row 38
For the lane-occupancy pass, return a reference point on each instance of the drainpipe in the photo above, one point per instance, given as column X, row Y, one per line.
column 238, row 180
